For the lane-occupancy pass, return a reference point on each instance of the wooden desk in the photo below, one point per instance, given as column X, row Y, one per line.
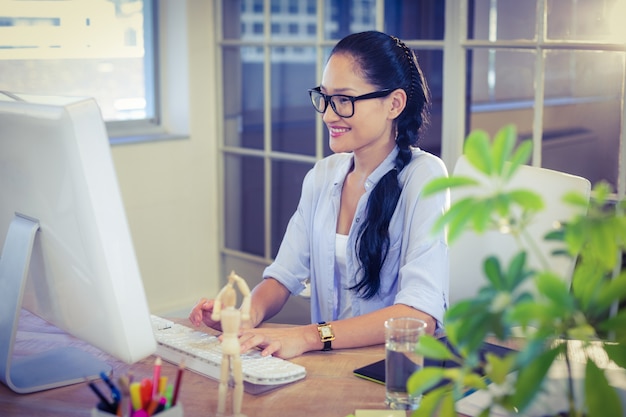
column 329, row 389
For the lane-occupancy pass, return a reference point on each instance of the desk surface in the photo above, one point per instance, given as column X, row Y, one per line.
column 329, row 389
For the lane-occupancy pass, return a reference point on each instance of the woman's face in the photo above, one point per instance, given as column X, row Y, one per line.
column 371, row 126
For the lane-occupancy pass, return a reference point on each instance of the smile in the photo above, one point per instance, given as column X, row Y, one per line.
column 338, row 130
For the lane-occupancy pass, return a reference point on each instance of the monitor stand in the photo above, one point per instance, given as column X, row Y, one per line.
column 50, row 369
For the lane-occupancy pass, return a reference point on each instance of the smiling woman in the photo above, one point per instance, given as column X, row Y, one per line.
column 361, row 232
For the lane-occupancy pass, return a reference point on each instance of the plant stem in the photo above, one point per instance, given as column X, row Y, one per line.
column 535, row 249
column 570, row 383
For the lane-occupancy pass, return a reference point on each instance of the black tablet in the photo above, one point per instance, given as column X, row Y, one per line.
column 376, row 371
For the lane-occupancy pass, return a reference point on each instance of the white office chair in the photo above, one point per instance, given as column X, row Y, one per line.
column 468, row 252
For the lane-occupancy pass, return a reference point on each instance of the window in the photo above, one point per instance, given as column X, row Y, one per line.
column 532, row 63
column 99, row 48
column 535, row 63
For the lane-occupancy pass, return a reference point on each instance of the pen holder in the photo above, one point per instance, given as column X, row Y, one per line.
column 176, row 411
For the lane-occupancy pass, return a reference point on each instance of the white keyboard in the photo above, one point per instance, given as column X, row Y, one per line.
column 202, row 353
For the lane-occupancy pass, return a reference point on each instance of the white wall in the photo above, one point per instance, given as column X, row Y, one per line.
column 170, row 187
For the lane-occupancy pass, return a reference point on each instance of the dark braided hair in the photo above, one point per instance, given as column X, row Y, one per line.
column 386, row 62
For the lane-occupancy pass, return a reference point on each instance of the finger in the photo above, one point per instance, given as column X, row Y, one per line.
column 271, row 349
column 249, row 341
column 197, row 312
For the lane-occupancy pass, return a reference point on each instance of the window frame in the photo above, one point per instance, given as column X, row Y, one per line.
column 166, row 47
column 455, row 46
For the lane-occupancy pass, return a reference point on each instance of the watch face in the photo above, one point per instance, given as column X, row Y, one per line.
column 326, row 332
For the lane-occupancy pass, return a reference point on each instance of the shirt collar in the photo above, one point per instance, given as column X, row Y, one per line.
column 388, row 164
column 384, row 167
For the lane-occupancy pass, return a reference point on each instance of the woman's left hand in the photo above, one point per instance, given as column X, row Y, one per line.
column 283, row 342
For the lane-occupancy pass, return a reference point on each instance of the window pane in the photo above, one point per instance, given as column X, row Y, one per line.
column 582, row 116
column 292, row 21
column 502, row 76
column 431, row 62
column 80, row 48
column 293, row 116
column 244, row 214
column 243, row 97
column 502, row 89
column 598, row 20
column 286, row 187
column 348, row 16
column 503, row 20
column 415, row 19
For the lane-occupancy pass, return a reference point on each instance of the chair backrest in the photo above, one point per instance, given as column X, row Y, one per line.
column 469, row 251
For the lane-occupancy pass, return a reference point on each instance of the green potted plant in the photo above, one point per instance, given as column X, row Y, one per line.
column 550, row 316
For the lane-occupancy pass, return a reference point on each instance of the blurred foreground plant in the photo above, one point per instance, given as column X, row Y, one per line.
column 550, row 314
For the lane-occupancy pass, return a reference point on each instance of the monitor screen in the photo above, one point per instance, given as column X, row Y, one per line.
column 67, row 253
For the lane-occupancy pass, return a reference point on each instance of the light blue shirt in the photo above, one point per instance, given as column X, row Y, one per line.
column 415, row 271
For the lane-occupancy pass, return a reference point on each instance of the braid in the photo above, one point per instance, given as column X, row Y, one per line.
column 386, row 62
column 409, row 63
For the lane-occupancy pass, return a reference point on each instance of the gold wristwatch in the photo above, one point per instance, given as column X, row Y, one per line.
column 326, row 334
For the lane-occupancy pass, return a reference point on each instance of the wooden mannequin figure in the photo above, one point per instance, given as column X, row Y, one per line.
column 230, row 318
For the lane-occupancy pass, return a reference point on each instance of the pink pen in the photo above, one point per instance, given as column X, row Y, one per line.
column 156, row 378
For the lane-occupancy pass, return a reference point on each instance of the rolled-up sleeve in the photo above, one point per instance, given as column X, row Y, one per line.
column 423, row 274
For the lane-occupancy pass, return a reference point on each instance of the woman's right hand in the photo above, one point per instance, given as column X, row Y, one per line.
column 201, row 313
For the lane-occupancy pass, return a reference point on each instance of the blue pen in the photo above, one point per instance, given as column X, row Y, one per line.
column 115, row 392
column 103, row 400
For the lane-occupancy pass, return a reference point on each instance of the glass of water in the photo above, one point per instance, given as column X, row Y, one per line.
column 401, row 337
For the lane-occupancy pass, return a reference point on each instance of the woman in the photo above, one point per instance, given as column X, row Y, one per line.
column 362, row 233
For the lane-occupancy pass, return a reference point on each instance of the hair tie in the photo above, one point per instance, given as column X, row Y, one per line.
column 409, row 56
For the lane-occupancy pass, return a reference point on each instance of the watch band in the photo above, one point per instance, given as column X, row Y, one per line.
column 326, row 335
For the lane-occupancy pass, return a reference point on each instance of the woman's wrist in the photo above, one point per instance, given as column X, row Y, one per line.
column 312, row 338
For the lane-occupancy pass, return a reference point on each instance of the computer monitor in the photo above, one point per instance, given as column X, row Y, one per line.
column 68, row 255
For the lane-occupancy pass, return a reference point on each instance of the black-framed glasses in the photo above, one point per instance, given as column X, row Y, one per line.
column 341, row 104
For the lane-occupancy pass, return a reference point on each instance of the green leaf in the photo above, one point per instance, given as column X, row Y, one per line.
column 498, row 368
column 430, row 402
column 516, row 273
column 447, row 407
column 584, row 281
column 555, row 289
column 617, row 353
column 493, row 272
column 503, row 144
column 459, row 309
column 457, row 213
column 575, row 198
column 424, row 379
column 520, row 157
column 603, row 242
column 477, row 151
column 581, row 331
column 617, row 324
column 601, row 398
column 472, row 330
column 527, row 199
column 485, row 413
column 431, row 347
column 613, row 290
column 529, row 313
column 481, row 216
column 530, row 378
column 474, row 381
column 443, row 183
column 574, row 236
